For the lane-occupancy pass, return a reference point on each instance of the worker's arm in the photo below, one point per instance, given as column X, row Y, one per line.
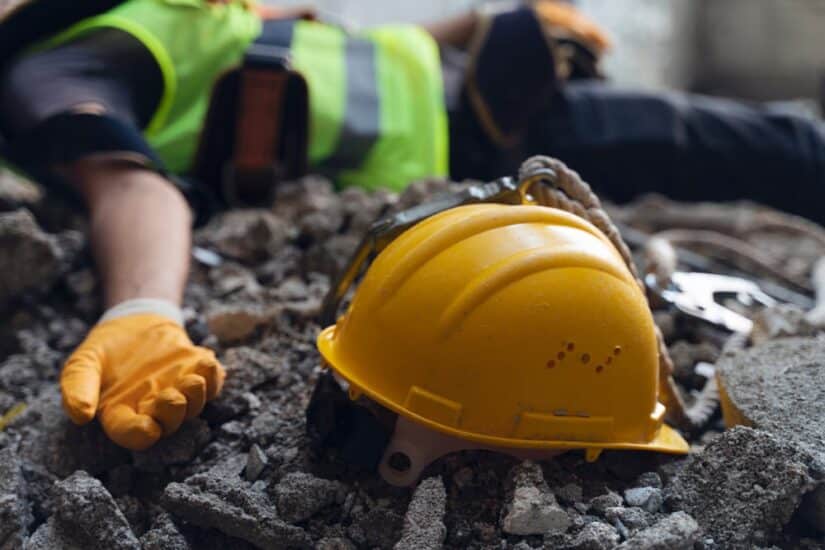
column 140, row 229
column 137, row 370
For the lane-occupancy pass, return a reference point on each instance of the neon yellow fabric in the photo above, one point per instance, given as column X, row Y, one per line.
column 318, row 52
column 194, row 42
column 413, row 143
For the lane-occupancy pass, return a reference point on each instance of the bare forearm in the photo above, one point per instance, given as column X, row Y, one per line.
column 140, row 229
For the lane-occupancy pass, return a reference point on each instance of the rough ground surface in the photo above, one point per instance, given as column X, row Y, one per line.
column 243, row 476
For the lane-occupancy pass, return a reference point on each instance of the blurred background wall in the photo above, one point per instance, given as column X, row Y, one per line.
column 760, row 49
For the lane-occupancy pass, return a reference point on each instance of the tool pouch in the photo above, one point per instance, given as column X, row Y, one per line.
column 256, row 130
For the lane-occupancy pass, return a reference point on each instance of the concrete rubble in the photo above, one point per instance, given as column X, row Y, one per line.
column 38, row 258
column 424, row 527
column 531, row 508
column 299, row 496
column 15, row 510
column 744, row 488
column 245, row 476
column 779, row 387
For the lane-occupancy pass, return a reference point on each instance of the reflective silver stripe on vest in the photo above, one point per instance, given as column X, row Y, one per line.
column 361, row 124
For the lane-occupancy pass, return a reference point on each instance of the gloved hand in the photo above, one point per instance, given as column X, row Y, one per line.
column 143, row 375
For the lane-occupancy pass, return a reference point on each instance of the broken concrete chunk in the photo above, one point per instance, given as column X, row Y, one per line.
column 37, row 255
column 743, row 488
column 600, row 504
column 236, row 322
column 15, row 511
column 779, row 387
column 595, row 536
column 296, row 199
column 649, row 479
column 221, row 499
column 378, row 527
column 248, row 236
column 648, row 498
column 531, row 508
column 570, row 494
column 83, row 505
column 632, row 518
column 424, row 527
column 256, row 461
column 246, row 368
column 164, row 535
column 677, row 531
column 335, row 543
column 179, row 448
column 299, row 496
column 54, row 535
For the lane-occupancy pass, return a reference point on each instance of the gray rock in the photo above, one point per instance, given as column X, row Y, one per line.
column 54, row 535
column 677, row 531
column 595, row 536
column 38, row 260
column 299, row 496
column 570, row 494
column 335, row 543
column 779, row 387
column 601, row 503
column 649, row 479
column 15, row 510
column 164, row 535
column 221, row 499
column 331, row 256
column 84, row 506
column 295, row 200
column 246, row 369
column 179, row 448
column 648, row 498
column 232, row 323
column 424, row 527
column 256, row 461
column 377, row 527
column 49, row 438
column 632, row 518
column 531, row 508
column 245, row 235
column 744, row 487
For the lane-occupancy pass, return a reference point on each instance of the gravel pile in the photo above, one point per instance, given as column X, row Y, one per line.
column 243, row 475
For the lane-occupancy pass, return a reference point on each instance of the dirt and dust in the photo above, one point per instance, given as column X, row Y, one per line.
column 244, row 476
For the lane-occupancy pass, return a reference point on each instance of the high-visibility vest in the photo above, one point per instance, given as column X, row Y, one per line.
column 377, row 114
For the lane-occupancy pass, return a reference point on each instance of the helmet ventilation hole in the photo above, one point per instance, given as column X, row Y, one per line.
column 608, row 360
column 399, row 462
column 551, row 364
column 599, row 369
column 560, row 355
column 571, row 346
column 585, row 358
column 617, row 350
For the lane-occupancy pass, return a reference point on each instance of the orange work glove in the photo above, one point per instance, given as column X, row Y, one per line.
column 143, row 375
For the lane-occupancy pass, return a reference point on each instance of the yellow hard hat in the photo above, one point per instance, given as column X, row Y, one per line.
column 510, row 326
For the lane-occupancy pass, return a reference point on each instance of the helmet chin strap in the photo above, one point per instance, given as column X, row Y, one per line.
column 414, row 446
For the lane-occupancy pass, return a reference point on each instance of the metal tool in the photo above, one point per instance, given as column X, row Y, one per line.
column 696, row 294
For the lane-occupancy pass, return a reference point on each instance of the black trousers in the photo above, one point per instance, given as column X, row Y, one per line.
column 687, row 147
